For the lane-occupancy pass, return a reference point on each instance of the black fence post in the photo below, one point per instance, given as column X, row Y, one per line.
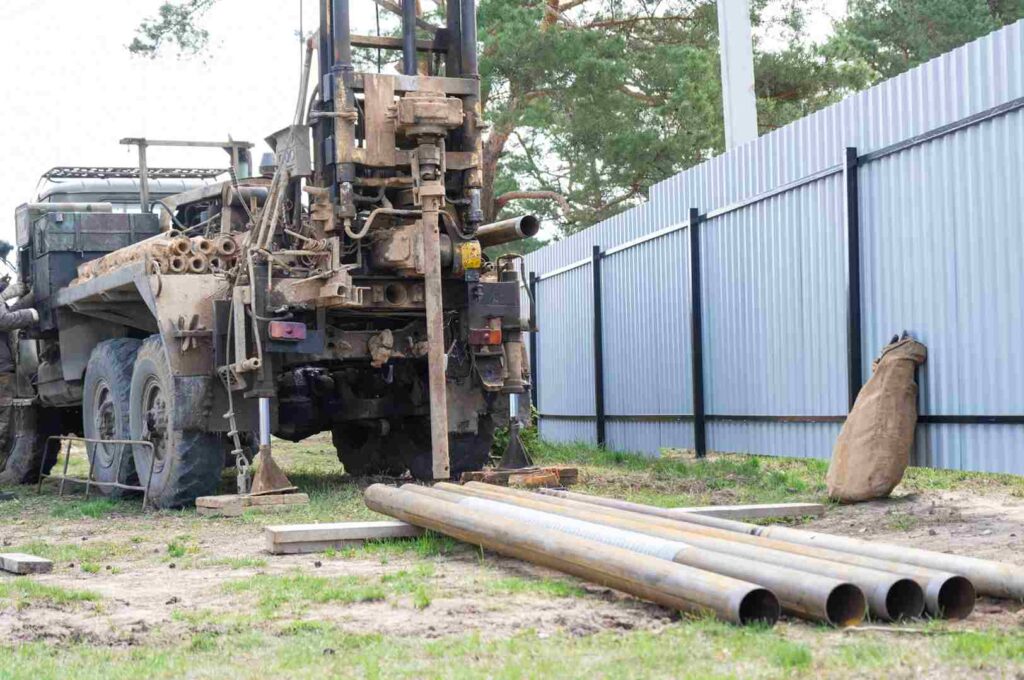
column 598, row 348
column 533, row 339
column 697, row 337
column 855, row 366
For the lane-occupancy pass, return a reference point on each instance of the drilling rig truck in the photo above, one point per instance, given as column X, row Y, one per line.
column 345, row 289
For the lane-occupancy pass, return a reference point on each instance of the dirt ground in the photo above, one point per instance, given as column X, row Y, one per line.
column 164, row 578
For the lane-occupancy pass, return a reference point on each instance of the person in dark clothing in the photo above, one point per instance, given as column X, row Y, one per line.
column 10, row 320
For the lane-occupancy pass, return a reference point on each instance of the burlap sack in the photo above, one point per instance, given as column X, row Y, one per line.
column 873, row 448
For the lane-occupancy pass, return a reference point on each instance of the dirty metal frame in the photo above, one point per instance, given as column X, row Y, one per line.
column 89, row 482
column 234, row 149
column 849, row 168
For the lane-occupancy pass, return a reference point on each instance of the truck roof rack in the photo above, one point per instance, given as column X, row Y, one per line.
column 79, row 172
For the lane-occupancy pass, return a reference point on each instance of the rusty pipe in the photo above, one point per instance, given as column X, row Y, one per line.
column 177, row 264
column 808, row 596
column 671, row 585
column 947, row 595
column 506, row 231
column 198, row 264
column 891, row 596
column 996, row 579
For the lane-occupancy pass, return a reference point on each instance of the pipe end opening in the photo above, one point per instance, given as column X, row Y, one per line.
column 846, row 606
column 760, row 606
column 529, row 225
column 905, row 600
column 956, row 598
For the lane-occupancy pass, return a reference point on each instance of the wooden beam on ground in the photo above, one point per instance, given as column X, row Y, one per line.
column 762, row 511
column 20, row 563
column 233, row 505
column 306, row 538
column 566, row 475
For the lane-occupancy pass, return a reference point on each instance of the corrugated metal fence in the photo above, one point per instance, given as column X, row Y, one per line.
column 900, row 208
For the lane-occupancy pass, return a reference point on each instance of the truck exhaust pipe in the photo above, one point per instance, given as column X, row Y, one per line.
column 506, row 231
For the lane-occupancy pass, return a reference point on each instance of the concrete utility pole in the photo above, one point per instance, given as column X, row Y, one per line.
column 737, row 72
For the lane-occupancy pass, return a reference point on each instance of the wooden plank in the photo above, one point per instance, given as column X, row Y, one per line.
column 20, row 563
column 533, row 480
column 342, row 531
column 233, row 505
column 280, row 499
column 763, row 511
column 250, row 501
column 380, row 127
column 389, row 43
column 565, row 475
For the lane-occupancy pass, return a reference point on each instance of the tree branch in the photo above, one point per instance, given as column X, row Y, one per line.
column 397, row 9
column 633, row 21
column 558, row 198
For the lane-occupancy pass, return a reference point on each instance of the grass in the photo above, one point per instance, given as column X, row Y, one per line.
column 298, row 590
column 550, row 587
column 22, row 592
column 689, row 649
column 79, row 552
column 280, row 623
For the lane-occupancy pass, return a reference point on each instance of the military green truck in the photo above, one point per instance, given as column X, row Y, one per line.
column 346, row 290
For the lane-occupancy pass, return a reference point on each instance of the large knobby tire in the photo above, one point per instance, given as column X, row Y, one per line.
column 364, row 451
column 105, row 405
column 30, row 446
column 466, row 452
column 185, row 464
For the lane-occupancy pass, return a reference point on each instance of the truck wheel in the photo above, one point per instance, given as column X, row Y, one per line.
column 466, row 452
column 185, row 464
column 29, row 444
column 105, row 399
column 365, row 452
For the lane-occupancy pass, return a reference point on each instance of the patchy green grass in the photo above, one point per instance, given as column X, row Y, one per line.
column 297, row 590
column 983, row 649
column 181, row 547
column 690, row 649
column 23, row 592
column 77, row 553
column 677, row 479
column 550, row 587
column 430, row 544
column 94, row 508
column 235, row 563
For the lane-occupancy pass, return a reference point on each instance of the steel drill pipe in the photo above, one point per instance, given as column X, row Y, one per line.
column 996, row 579
column 947, row 595
column 506, row 231
column 805, row 595
column 668, row 584
column 891, row 596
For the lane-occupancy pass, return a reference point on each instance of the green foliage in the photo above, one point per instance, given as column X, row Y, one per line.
column 614, row 97
column 174, row 24
column 887, row 37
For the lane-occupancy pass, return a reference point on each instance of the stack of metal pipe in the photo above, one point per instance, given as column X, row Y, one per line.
column 169, row 253
column 741, row 572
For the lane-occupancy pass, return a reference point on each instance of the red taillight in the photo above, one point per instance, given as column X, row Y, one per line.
column 287, row 330
column 485, row 336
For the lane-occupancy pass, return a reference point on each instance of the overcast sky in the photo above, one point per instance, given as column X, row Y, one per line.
column 72, row 89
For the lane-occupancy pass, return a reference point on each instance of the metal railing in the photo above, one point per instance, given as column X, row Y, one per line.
column 89, row 482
